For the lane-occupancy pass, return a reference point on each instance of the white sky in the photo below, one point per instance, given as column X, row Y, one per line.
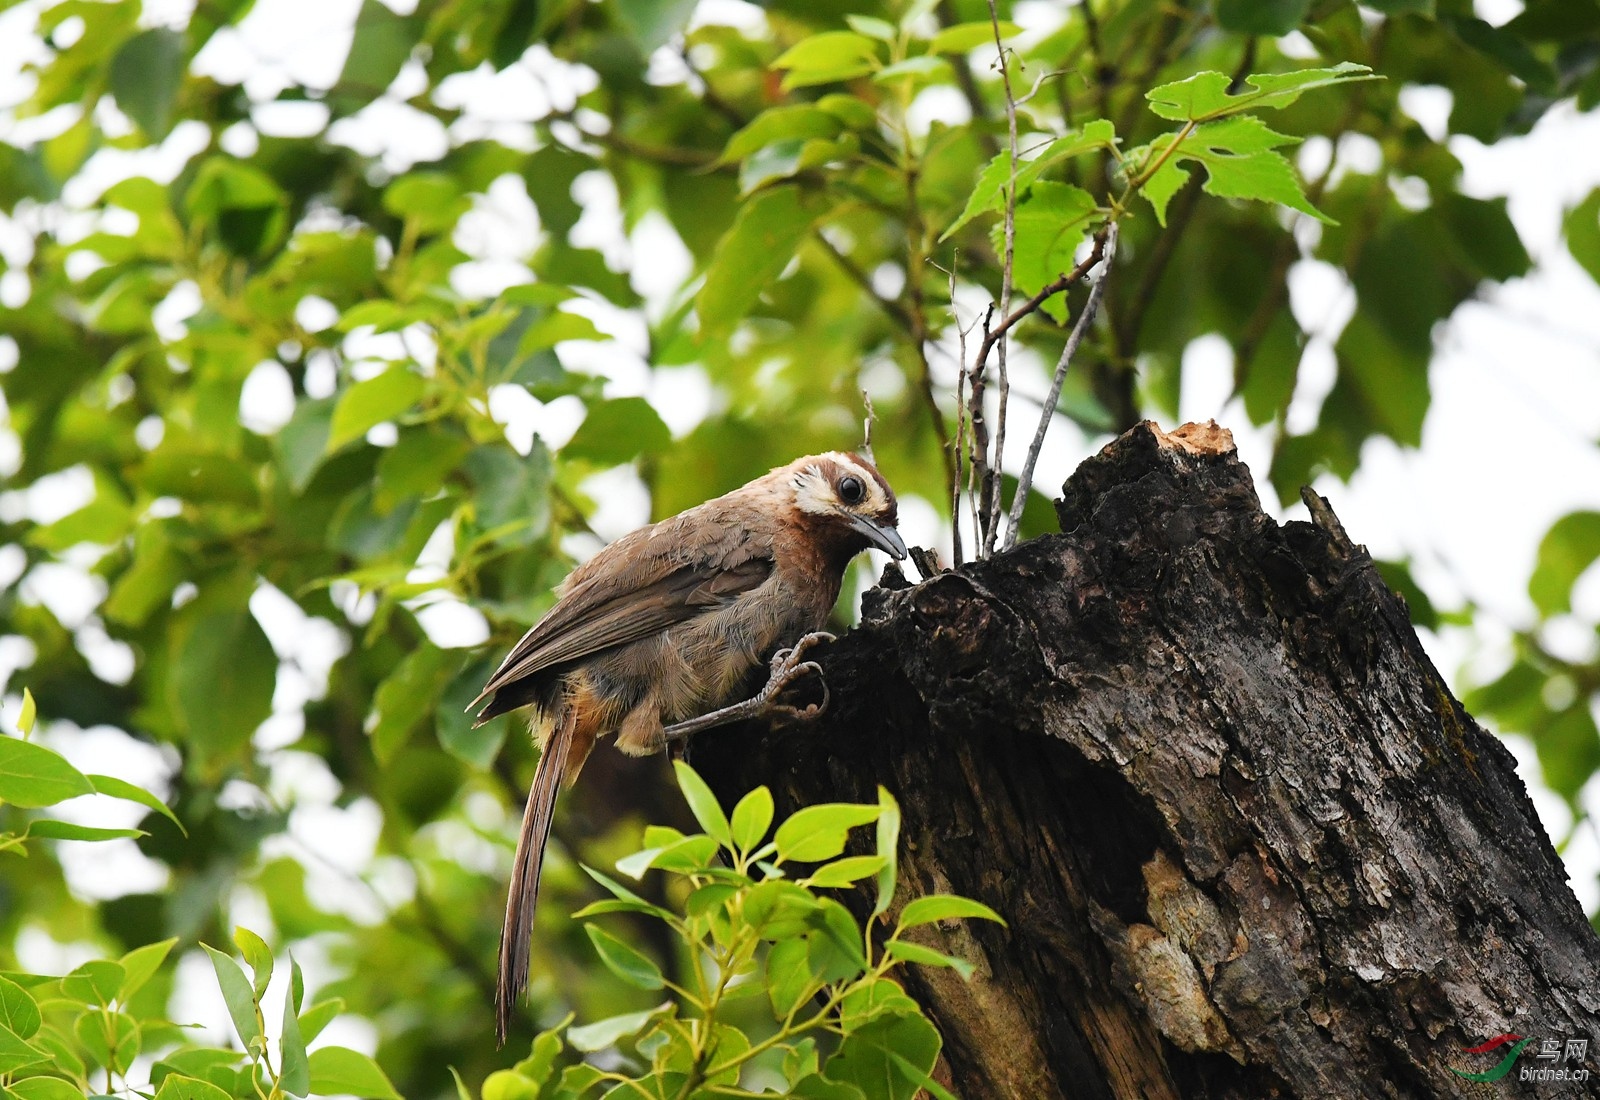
column 1509, row 441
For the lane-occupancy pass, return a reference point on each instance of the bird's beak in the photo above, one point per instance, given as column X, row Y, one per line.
column 886, row 539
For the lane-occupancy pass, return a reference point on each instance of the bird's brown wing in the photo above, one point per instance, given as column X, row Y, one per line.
column 631, row 591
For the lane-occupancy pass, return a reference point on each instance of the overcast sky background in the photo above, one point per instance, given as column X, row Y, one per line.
column 1509, row 443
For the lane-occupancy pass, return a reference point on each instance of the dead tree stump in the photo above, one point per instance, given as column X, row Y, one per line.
column 1247, row 843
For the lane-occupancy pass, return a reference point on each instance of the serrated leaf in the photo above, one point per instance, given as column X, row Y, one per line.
column 989, row 193
column 344, row 1071
column 32, row 775
column 816, row 833
column 1050, row 224
column 937, row 907
column 1204, row 96
column 751, row 819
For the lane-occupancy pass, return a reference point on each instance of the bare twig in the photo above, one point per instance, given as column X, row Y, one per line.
column 961, row 417
column 992, row 501
column 866, row 427
column 1106, row 249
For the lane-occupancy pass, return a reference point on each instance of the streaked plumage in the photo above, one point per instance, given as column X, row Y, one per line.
column 665, row 624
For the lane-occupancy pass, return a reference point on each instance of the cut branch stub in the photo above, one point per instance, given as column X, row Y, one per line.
column 1245, row 841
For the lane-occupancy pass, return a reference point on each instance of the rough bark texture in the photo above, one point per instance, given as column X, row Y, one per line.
column 1247, row 843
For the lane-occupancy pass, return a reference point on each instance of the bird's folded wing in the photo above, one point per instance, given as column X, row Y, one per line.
column 606, row 611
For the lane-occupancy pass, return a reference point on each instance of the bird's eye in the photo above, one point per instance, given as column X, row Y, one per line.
column 851, row 490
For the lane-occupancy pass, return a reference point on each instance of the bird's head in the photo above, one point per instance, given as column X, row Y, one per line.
column 845, row 497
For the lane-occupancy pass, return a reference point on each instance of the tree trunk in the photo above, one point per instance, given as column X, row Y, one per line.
column 1246, row 842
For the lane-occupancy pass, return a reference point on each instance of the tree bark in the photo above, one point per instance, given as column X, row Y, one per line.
column 1246, row 842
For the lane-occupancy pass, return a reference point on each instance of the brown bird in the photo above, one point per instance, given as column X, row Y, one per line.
column 665, row 624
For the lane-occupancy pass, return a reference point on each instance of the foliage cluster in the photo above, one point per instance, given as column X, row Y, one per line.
column 252, row 370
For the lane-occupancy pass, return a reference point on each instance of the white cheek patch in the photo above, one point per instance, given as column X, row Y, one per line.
column 814, row 496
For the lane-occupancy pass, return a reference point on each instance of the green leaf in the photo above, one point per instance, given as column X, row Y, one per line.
column 294, row 1067
column 240, row 998
column 1582, row 230
column 702, row 803
column 827, row 57
column 302, row 444
column 1050, row 224
column 383, row 41
column 816, row 833
column 28, row 715
column 1566, row 552
column 1569, row 751
column 67, row 830
column 604, row 1033
column 258, row 955
column 319, row 1016
column 652, row 23
column 925, row 67
column 96, row 982
column 344, row 1071
column 989, row 194
column 430, row 202
column 617, row 431
column 906, row 951
column 223, row 675
column 506, row 1084
column 367, row 404
column 113, row 787
column 843, row 872
column 754, row 251
column 889, row 1056
column 242, row 205
column 1204, row 97
column 140, row 965
column 817, row 1087
column 1273, row 17
column 410, row 693
column 145, row 76
column 623, row 961
column 872, row 27
column 15, row 1053
column 45, row 1088
column 1239, row 161
column 797, row 122
column 888, row 848
column 790, row 980
column 32, row 776
column 834, row 946
column 19, row 1013
column 751, row 819
column 541, row 1059
column 963, row 37
column 937, row 907
column 511, row 493
column 178, row 1087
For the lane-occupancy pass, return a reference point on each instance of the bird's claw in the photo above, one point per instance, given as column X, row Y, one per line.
column 788, row 667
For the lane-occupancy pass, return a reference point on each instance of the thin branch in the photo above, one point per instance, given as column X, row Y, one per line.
column 1032, row 305
column 993, row 503
column 1105, row 245
column 961, row 419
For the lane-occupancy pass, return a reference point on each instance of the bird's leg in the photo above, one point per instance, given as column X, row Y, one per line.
column 788, row 666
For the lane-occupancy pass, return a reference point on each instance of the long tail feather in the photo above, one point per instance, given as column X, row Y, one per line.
column 517, row 932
